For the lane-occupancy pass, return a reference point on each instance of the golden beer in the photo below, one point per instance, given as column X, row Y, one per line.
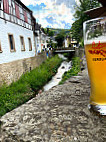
column 95, row 50
column 96, row 62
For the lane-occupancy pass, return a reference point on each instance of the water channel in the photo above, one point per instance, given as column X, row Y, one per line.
column 64, row 67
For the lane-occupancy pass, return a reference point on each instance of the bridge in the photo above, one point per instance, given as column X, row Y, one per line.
column 64, row 50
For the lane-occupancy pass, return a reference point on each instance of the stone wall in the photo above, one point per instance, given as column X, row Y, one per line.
column 79, row 52
column 12, row 71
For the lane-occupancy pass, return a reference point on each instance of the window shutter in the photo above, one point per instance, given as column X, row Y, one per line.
column 17, row 11
column 6, row 6
column 25, row 17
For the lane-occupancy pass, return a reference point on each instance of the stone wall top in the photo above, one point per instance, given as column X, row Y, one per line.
column 58, row 115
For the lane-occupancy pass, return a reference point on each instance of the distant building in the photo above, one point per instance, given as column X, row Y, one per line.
column 41, row 39
column 67, row 42
column 38, row 38
column 74, row 43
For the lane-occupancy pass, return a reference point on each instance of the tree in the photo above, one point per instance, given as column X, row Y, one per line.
column 77, row 26
column 60, row 38
column 84, row 6
column 76, row 30
column 44, row 30
column 51, row 33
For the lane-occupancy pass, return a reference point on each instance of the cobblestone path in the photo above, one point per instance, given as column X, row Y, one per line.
column 58, row 115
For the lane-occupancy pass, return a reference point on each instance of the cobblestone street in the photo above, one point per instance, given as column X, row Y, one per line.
column 58, row 115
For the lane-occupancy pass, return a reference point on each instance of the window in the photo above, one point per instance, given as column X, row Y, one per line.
column 30, row 44
column 13, row 8
column 0, row 3
column 22, row 43
column 17, row 11
column 21, row 13
column 25, row 17
column 11, row 42
column 6, row 6
column 29, row 18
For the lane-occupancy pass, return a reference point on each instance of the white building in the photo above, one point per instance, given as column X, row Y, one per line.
column 16, row 34
column 41, row 39
column 45, row 40
column 38, row 38
column 66, row 43
column 17, row 40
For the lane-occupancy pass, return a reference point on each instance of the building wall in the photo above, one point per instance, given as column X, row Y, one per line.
column 14, row 63
column 38, row 42
column 7, row 56
column 12, row 71
column 66, row 43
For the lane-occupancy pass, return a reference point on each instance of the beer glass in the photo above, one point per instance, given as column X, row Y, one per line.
column 95, row 50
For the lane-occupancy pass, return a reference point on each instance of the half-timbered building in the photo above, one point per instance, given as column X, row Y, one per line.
column 17, row 40
column 16, row 32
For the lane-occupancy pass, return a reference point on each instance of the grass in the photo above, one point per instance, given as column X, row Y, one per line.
column 28, row 85
column 73, row 71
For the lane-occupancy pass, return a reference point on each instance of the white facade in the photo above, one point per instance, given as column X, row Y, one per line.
column 43, row 40
column 17, row 31
column 66, row 43
column 38, row 42
column 16, row 25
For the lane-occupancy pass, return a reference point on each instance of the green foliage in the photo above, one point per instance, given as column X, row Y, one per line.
column 82, row 42
column 29, row 84
column 60, row 38
column 51, row 33
column 95, row 33
column 68, row 56
column 77, row 26
column 44, row 30
column 48, row 31
column 76, row 30
column 73, row 71
column 54, row 45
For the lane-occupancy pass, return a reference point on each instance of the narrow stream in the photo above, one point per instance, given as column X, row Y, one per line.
column 64, row 67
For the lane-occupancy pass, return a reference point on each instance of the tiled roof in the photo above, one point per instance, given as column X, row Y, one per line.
column 103, row 2
column 97, row 12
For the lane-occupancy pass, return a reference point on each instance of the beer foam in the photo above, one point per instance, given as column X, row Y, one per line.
column 101, row 39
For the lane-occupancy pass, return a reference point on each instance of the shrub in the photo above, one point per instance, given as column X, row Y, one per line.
column 30, row 83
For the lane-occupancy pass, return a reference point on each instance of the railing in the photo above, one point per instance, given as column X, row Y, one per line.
column 63, row 48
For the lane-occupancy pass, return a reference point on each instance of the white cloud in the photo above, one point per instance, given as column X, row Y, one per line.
column 34, row 2
column 59, row 11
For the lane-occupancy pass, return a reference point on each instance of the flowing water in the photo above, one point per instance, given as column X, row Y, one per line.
column 64, row 67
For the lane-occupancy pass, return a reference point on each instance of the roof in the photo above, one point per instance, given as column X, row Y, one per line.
column 103, row 2
column 97, row 12
column 18, row 1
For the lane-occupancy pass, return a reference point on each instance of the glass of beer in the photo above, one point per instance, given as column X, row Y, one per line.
column 95, row 50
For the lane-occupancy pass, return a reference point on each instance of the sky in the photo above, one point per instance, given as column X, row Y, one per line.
column 53, row 13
